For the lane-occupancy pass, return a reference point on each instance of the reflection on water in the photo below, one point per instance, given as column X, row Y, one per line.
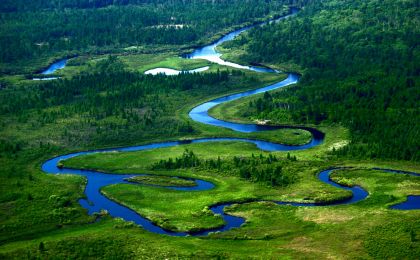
column 172, row 72
column 55, row 66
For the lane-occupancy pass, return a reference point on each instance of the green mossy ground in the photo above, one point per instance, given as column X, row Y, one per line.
column 164, row 181
column 272, row 231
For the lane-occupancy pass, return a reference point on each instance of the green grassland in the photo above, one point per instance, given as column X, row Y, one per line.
column 237, row 53
column 164, row 181
column 133, row 62
column 172, row 62
column 272, row 231
column 228, row 188
column 233, row 111
column 236, row 111
column 33, row 204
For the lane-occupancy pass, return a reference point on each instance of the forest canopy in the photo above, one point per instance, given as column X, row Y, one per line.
column 361, row 68
column 61, row 28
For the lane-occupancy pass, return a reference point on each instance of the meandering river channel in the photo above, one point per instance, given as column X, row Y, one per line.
column 96, row 201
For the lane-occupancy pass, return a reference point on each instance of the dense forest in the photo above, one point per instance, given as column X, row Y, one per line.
column 62, row 28
column 361, row 68
column 264, row 169
column 23, row 5
column 110, row 104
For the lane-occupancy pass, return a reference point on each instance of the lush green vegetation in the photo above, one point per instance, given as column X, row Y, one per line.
column 50, row 29
column 360, row 61
column 162, row 181
column 76, row 113
column 112, row 105
column 364, row 222
column 303, row 169
column 257, row 168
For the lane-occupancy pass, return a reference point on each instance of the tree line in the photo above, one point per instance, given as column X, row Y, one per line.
column 56, row 28
column 261, row 168
column 109, row 105
column 361, row 69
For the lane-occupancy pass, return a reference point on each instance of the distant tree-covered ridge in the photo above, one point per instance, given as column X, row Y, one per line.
column 361, row 62
column 22, row 5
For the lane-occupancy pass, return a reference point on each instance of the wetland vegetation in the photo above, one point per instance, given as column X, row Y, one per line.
column 359, row 62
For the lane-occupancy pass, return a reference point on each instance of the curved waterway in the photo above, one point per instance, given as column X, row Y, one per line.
column 95, row 201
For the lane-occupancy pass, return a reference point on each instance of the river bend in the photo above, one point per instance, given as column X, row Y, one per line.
column 95, row 201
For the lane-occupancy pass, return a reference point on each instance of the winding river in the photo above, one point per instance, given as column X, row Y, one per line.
column 95, row 201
